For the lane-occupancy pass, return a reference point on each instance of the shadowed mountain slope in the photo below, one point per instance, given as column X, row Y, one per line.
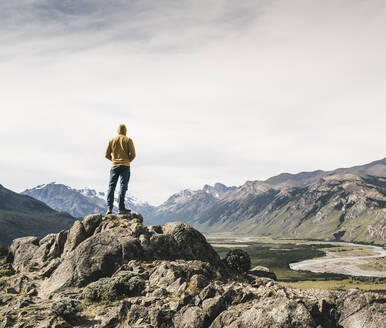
column 21, row 215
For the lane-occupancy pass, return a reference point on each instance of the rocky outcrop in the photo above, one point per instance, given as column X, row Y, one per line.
column 96, row 247
column 115, row 272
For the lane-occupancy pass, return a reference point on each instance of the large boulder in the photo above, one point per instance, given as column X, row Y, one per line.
column 118, row 240
column 21, row 252
column 96, row 257
column 91, row 222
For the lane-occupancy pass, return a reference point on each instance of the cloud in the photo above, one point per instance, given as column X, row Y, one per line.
column 210, row 91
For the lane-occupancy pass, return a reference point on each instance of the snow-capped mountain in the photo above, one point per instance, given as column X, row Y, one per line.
column 187, row 204
column 80, row 202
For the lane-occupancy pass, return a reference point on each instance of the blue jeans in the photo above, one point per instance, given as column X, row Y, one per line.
column 122, row 171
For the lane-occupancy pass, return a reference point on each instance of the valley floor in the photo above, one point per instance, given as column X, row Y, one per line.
column 312, row 264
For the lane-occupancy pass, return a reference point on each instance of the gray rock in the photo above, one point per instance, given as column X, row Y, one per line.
column 137, row 314
column 17, row 283
column 160, row 292
column 208, row 292
column 75, row 236
column 138, row 216
column 176, row 286
column 212, row 307
column 115, row 241
column 163, row 276
column 50, row 267
column 40, row 256
column 113, row 316
column 50, row 238
column 91, row 222
column 161, row 318
column 98, row 256
column 360, row 309
column 57, row 247
column 190, row 244
column 260, row 271
column 198, row 282
column 21, row 252
column 189, row 317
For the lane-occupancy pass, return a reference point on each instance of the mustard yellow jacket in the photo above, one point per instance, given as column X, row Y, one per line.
column 120, row 149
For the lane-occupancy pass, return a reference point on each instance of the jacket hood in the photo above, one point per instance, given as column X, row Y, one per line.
column 122, row 129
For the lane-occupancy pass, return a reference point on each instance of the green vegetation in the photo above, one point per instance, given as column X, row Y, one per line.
column 6, row 273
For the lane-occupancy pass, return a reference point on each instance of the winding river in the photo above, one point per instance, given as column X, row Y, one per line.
column 343, row 265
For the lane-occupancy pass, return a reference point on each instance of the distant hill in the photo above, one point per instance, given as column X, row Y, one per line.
column 80, row 202
column 21, row 215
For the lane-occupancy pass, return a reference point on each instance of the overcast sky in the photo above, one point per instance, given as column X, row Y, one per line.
column 210, row 90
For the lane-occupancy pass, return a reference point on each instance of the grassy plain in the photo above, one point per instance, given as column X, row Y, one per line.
column 277, row 255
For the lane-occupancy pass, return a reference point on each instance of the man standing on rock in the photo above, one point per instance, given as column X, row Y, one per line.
column 121, row 152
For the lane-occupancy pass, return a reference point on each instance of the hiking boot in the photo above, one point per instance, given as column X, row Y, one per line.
column 124, row 211
column 109, row 211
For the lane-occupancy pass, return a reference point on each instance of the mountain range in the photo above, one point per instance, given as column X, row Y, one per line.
column 343, row 204
column 80, row 202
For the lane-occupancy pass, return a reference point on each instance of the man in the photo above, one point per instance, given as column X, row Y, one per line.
column 121, row 152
